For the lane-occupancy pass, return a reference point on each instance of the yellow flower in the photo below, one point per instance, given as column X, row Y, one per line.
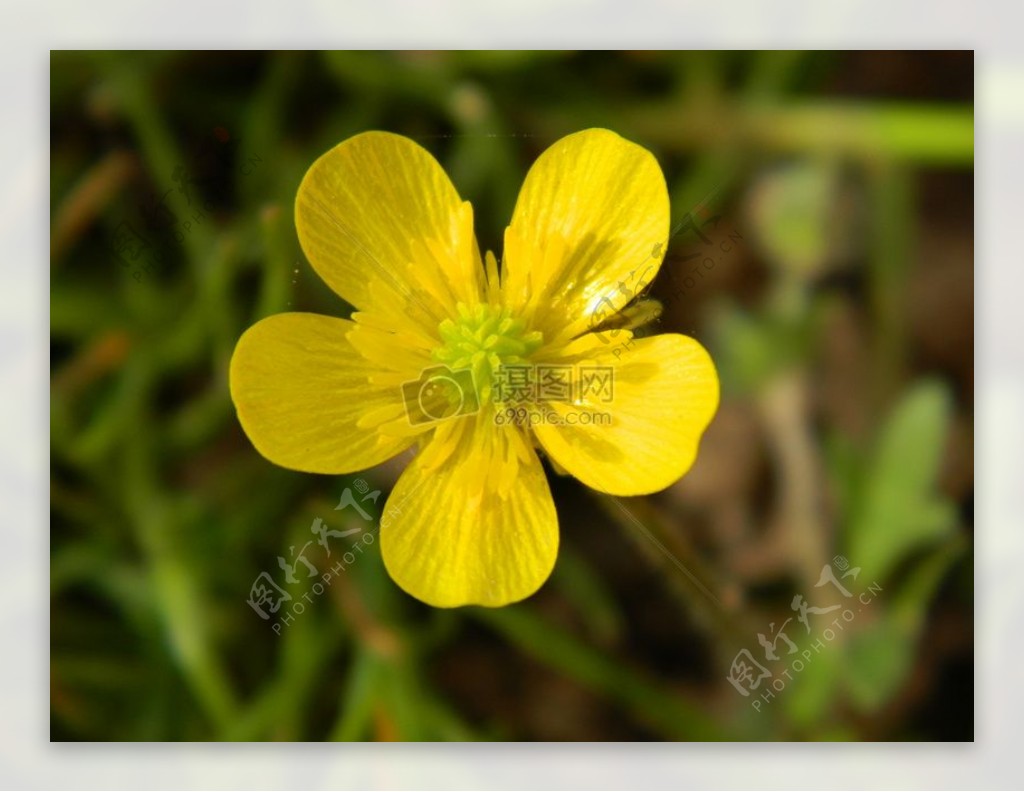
column 471, row 520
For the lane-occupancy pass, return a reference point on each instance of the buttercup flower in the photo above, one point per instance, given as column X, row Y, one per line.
column 479, row 366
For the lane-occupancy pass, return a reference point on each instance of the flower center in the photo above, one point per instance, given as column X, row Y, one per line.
column 483, row 339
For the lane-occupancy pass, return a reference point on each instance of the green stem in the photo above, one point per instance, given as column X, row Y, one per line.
column 892, row 203
column 660, row 708
column 919, row 134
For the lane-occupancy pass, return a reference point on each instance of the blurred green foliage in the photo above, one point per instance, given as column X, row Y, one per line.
column 162, row 514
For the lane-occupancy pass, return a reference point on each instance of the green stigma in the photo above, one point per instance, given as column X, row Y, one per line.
column 483, row 339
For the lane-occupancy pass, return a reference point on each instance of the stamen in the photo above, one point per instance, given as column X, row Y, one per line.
column 482, row 339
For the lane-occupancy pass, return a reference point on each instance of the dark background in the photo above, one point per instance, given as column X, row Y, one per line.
column 840, row 318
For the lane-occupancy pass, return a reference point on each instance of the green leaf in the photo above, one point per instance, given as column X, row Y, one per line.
column 901, row 512
column 881, row 656
column 810, row 697
column 794, row 216
column 751, row 349
column 878, row 659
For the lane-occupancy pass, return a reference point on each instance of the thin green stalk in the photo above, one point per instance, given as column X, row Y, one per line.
column 689, row 577
column 890, row 256
column 279, row 260
column 913, row 134
column 180, row 602
column 162, row 156
column 659, row 707
column 356, row 705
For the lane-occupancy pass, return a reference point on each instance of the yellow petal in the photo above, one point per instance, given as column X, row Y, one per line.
column 383, row 226
column 664, row 394
column 473, row 524
column 589, row 230
column 300, row 389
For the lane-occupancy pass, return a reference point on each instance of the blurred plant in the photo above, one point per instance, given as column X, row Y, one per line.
column 161, row 513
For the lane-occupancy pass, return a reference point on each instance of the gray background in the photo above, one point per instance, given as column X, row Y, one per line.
column 27, row 759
